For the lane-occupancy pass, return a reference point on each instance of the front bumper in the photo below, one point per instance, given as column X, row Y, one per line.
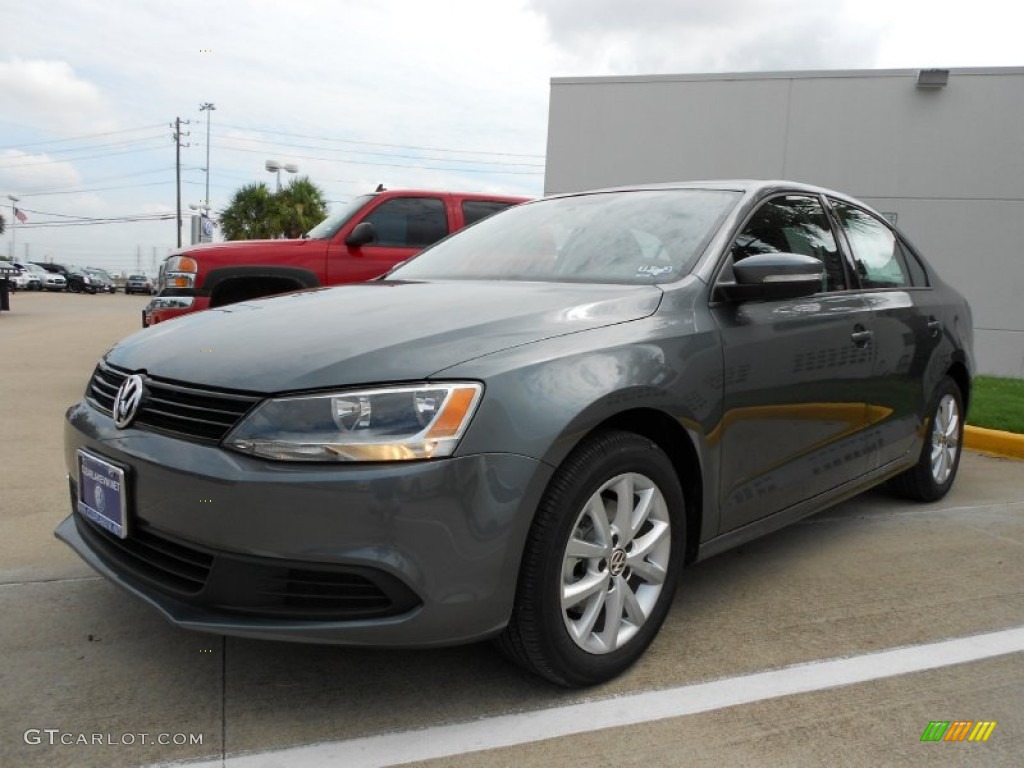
column 436, row 545
column 163, row 308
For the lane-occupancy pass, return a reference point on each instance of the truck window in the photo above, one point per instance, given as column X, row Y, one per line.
column 413, row 222
column 474, row 210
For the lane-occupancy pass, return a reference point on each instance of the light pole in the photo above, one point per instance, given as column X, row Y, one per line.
column 14, row 225
column 207, row 107
column 275, row 166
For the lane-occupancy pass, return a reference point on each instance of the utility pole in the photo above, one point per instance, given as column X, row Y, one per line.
column 177, row 165
column 207, row 107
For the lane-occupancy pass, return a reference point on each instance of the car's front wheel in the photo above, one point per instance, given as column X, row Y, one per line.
column 601, row 562
column 933, row 475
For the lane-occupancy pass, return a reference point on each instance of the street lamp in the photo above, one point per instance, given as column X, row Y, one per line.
column 14, row 224
column 207, row 107
column 276, row 167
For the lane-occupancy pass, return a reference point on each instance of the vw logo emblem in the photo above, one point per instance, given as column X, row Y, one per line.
column 618, row 562
column 126, row 403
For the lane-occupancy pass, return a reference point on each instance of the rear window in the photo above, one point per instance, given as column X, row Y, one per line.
column 474, row 210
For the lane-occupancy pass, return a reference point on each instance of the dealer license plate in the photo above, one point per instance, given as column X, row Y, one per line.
column 101, row 493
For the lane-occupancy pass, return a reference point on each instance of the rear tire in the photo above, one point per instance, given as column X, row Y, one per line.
column 601, row 562
column 933, row 475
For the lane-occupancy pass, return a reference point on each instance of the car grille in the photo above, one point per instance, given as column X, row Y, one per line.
column 249, row 585
column 181, row 409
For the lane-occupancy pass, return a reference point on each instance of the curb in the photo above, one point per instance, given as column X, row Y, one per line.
column 1009, row 445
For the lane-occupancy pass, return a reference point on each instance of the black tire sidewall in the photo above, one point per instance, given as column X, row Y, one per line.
column 626, row 453
column 946, row 387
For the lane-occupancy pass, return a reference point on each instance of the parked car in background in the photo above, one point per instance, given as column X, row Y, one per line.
column 363, row 240
column 17, row 279
column 48, row 280
column 138, row 284
column 527, row 431
column 76, row 279
column 100, row 279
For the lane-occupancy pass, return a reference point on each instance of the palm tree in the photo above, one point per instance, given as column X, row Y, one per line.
column 253, row 213
column 302, row 207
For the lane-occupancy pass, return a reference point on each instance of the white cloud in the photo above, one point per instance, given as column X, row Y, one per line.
column 604, row 37
column 49, row 94
column 22, row 172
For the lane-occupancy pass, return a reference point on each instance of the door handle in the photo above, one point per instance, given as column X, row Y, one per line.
column 934, row 326
column 861, row 335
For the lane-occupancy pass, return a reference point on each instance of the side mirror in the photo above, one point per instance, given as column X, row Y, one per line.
column 361, row 234
column 774, row 276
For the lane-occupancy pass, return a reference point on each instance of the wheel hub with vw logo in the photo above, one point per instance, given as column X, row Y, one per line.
column 127, row 400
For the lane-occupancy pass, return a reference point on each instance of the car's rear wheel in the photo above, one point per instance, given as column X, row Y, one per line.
column 601, row 562
column 933, row 475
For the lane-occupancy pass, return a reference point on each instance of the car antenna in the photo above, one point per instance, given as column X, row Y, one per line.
column 381, row 188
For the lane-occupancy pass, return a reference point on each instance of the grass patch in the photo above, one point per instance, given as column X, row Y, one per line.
column 997, row 403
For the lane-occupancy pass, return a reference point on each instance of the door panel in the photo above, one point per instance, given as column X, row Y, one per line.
column 794, row 411
column 907, row 331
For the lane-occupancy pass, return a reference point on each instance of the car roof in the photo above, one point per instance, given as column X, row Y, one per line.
column 757, row 187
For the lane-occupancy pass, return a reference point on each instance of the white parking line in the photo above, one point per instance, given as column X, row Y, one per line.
column 510, row 730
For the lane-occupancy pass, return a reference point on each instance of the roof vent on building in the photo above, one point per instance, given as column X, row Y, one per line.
column 932, row 78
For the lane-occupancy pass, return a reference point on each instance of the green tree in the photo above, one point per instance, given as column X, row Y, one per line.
column 252, row 214
column 3, row 223
column 302, row 207
column 255, row 212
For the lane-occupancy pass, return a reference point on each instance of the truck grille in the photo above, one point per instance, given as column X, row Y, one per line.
column 181, row 409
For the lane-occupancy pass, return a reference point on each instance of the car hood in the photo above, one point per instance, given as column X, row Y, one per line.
column 249, row 247
column 372, row 332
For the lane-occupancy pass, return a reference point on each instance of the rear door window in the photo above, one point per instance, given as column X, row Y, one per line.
column 876, row 251
column 474, row 210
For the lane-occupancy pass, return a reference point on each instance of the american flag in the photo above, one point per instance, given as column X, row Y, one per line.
column 20, row 216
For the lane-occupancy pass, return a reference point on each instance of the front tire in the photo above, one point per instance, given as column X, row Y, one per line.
column 933, row 475
column 601, row 562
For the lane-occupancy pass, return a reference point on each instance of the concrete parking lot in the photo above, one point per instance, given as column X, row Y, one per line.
column 92, row 677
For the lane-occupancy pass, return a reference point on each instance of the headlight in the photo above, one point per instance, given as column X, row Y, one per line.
column 423, row 421
column 180, row 272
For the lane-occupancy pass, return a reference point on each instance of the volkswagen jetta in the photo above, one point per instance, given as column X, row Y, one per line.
column 526, row 432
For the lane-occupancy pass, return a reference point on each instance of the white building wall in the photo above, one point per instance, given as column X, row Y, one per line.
column 949, row 162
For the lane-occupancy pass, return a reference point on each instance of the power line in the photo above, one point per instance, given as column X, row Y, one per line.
column 94, row 222
column 90, row 147
column 52, row 190
column 387, row 154
column 4, row 164
column 380, row 144
column 495, row 171
column 77, row 138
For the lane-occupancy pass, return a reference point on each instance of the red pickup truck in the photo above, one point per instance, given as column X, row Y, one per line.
column 363, row 240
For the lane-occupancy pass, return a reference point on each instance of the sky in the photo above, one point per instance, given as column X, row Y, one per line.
column 445, row 95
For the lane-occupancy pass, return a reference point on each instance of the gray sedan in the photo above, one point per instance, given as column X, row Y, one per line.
column 526, row 432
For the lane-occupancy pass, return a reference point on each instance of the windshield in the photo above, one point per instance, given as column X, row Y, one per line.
column 327, row 228
column 609, row 237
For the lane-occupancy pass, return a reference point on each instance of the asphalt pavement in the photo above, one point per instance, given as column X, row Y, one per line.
column 780, row 652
